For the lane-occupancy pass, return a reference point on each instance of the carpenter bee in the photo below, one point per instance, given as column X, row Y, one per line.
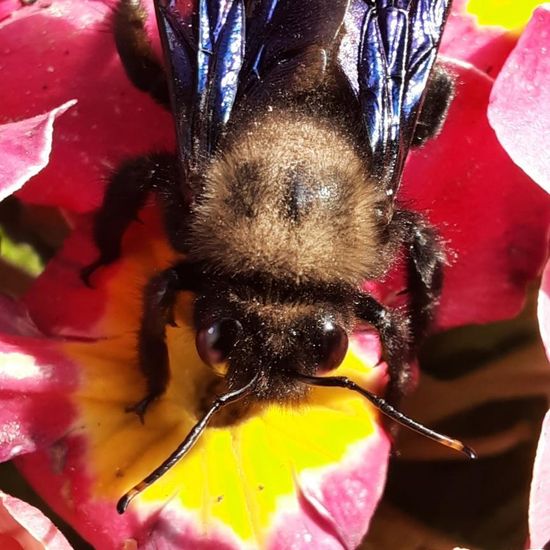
column 293, row 121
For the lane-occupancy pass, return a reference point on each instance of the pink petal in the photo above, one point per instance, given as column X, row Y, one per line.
column 24, row 527
column 544, row 309
column 59, row 302
column 485, row 47
column 539, row 509
column 492, row 217
column 34, row 385
column 337, row 504
column 25, row 148
column 7, row 7
column 519, row 110
column 35, row 408
column 63, row 51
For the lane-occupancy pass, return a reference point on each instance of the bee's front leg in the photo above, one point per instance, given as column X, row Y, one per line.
column 158, row 304
column 125, row 195
column 395, row 336
column 426, row 259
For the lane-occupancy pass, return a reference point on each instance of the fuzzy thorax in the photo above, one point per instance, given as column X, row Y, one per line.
column 289, row 196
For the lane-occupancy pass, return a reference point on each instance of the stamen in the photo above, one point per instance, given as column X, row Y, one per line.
column 187, row 443
column 391, row 412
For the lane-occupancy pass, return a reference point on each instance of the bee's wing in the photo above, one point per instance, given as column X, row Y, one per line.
column 288, row 43
column 395, row 43
column 203, row 44
column 220, row 50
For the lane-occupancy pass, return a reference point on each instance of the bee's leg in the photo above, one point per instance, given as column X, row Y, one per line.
column 426, row 259
column 439, row 94
column 136, row 54
column 158, row 304
column 125, row 195
column 402, row 334
column 394, row 331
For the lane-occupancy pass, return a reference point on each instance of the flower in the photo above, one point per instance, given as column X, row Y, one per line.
column 280, row 474
column 282, row 477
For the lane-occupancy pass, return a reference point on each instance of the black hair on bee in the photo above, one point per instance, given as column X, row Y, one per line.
column 294, row 120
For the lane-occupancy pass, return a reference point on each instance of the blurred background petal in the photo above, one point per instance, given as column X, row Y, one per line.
column 23, row 527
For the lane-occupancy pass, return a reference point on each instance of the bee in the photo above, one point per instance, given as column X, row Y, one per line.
column 293, row 123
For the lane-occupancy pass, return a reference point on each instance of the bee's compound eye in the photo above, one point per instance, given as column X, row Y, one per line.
column 333, row 346
column 214, row 343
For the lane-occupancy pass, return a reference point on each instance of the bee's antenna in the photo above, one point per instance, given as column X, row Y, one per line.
column 384, row 407
column 187, row 443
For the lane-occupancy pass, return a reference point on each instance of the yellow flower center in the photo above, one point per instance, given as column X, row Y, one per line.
column 510, row 14
column 239, row 472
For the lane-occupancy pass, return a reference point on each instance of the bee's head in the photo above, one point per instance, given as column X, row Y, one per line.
column 281, row 332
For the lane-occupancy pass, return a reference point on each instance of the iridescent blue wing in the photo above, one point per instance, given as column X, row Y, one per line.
column 395, row 44
column 288, row 44
column 218, row 51
column 204, row 48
